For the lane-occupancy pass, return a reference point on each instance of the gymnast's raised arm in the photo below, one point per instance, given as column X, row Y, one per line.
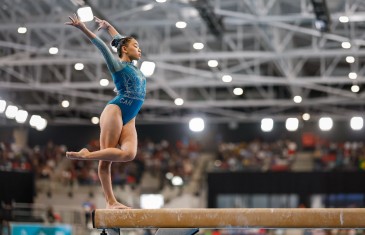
column 111, row 61
column 76, row 22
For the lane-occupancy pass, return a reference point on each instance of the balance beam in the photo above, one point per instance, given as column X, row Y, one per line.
column 230, row 218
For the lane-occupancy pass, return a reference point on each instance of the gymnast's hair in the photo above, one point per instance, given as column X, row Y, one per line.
column 119, row 42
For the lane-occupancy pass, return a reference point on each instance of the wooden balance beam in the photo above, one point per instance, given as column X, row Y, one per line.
column 229, row 218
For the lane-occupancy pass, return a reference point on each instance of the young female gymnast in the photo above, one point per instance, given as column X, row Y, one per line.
column 118, row 136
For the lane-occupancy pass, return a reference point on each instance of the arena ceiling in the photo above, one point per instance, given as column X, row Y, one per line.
column 270, row 48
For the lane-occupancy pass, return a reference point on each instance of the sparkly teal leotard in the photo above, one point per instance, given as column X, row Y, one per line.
column 128, row 79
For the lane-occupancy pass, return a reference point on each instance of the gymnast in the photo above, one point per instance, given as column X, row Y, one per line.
column 118, row 135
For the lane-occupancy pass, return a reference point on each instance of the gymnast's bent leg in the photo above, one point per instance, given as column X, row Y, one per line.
column 113, row 132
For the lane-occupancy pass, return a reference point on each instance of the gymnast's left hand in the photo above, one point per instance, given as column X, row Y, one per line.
column 76, row 22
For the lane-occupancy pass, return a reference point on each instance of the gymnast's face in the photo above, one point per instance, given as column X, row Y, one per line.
column 132, row 50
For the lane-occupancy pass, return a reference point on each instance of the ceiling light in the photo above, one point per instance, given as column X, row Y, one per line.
column 297, row 99
column 79, row 66
column 21, row 116
column 355, row 88
column 346, row 45
column 227, row 78
column 357, row 123
column 292, row 124
column 53, row 50
column 196, row 124
column 65, row 103
column 352, row 75
column 179, row 101
column 2, row 106
column 325, row 123
column 350, row 59
column 212, row 63
column 198, row 46
column 180, row 24
column 238, row 91
column 104, row 82
column 343, row 19
column 22, row 30
column 148, row 68
column 85, row 14
column 267, row 124
column 147, row 7
column 11, row 111
column 306, row 116
column 95, row 120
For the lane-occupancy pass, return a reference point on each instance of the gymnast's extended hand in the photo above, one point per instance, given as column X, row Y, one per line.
column 76, row 22
column 103, row 24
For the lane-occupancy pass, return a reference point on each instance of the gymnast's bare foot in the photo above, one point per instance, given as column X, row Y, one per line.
column 117, row 205
column 81, row 155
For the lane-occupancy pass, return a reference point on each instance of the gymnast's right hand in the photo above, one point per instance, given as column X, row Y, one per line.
column 76, row 22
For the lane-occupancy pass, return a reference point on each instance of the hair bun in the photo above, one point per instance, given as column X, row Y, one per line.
column 115, row 42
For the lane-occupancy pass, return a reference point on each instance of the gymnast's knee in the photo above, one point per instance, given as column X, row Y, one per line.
column 128, row 155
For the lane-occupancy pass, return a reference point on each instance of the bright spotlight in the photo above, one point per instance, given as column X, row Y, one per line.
column 53, row 50
column 169, row 175
column 65, row 103
column 180, row 24
column 177, row 181
column 147, row 68
column 297, row 99
column 179, row 101
column 196, row 124
column 355, row 88
column 21, row 116
column 35, row 120
column 151, row 201
column 352, row 75
column 42, row 124
column 267, row 124
column 2, row 106
column 346, row 45
column 79, row 66
column 22, row 30
column 238, row 91
column 357, row 123
column 85, row 14
column 292, row 124
column 227, row 78
column 95, row 120
column 306, row 116
column 325, row 123
column 212, row 63
column 198, row 46
column 343, row 19
column 104, row 82
column 11, row 111
column 350, row 59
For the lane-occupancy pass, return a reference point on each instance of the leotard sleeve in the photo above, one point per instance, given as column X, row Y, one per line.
column 113, row 64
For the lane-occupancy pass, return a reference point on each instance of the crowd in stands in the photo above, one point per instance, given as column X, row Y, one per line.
column 256, row 156
column 332, row 156
column 50, row 162
column 178, row 158
column 280, row 156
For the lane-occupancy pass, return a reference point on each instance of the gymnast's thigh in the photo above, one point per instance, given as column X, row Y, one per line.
column 111, row 126
column 128, row 138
